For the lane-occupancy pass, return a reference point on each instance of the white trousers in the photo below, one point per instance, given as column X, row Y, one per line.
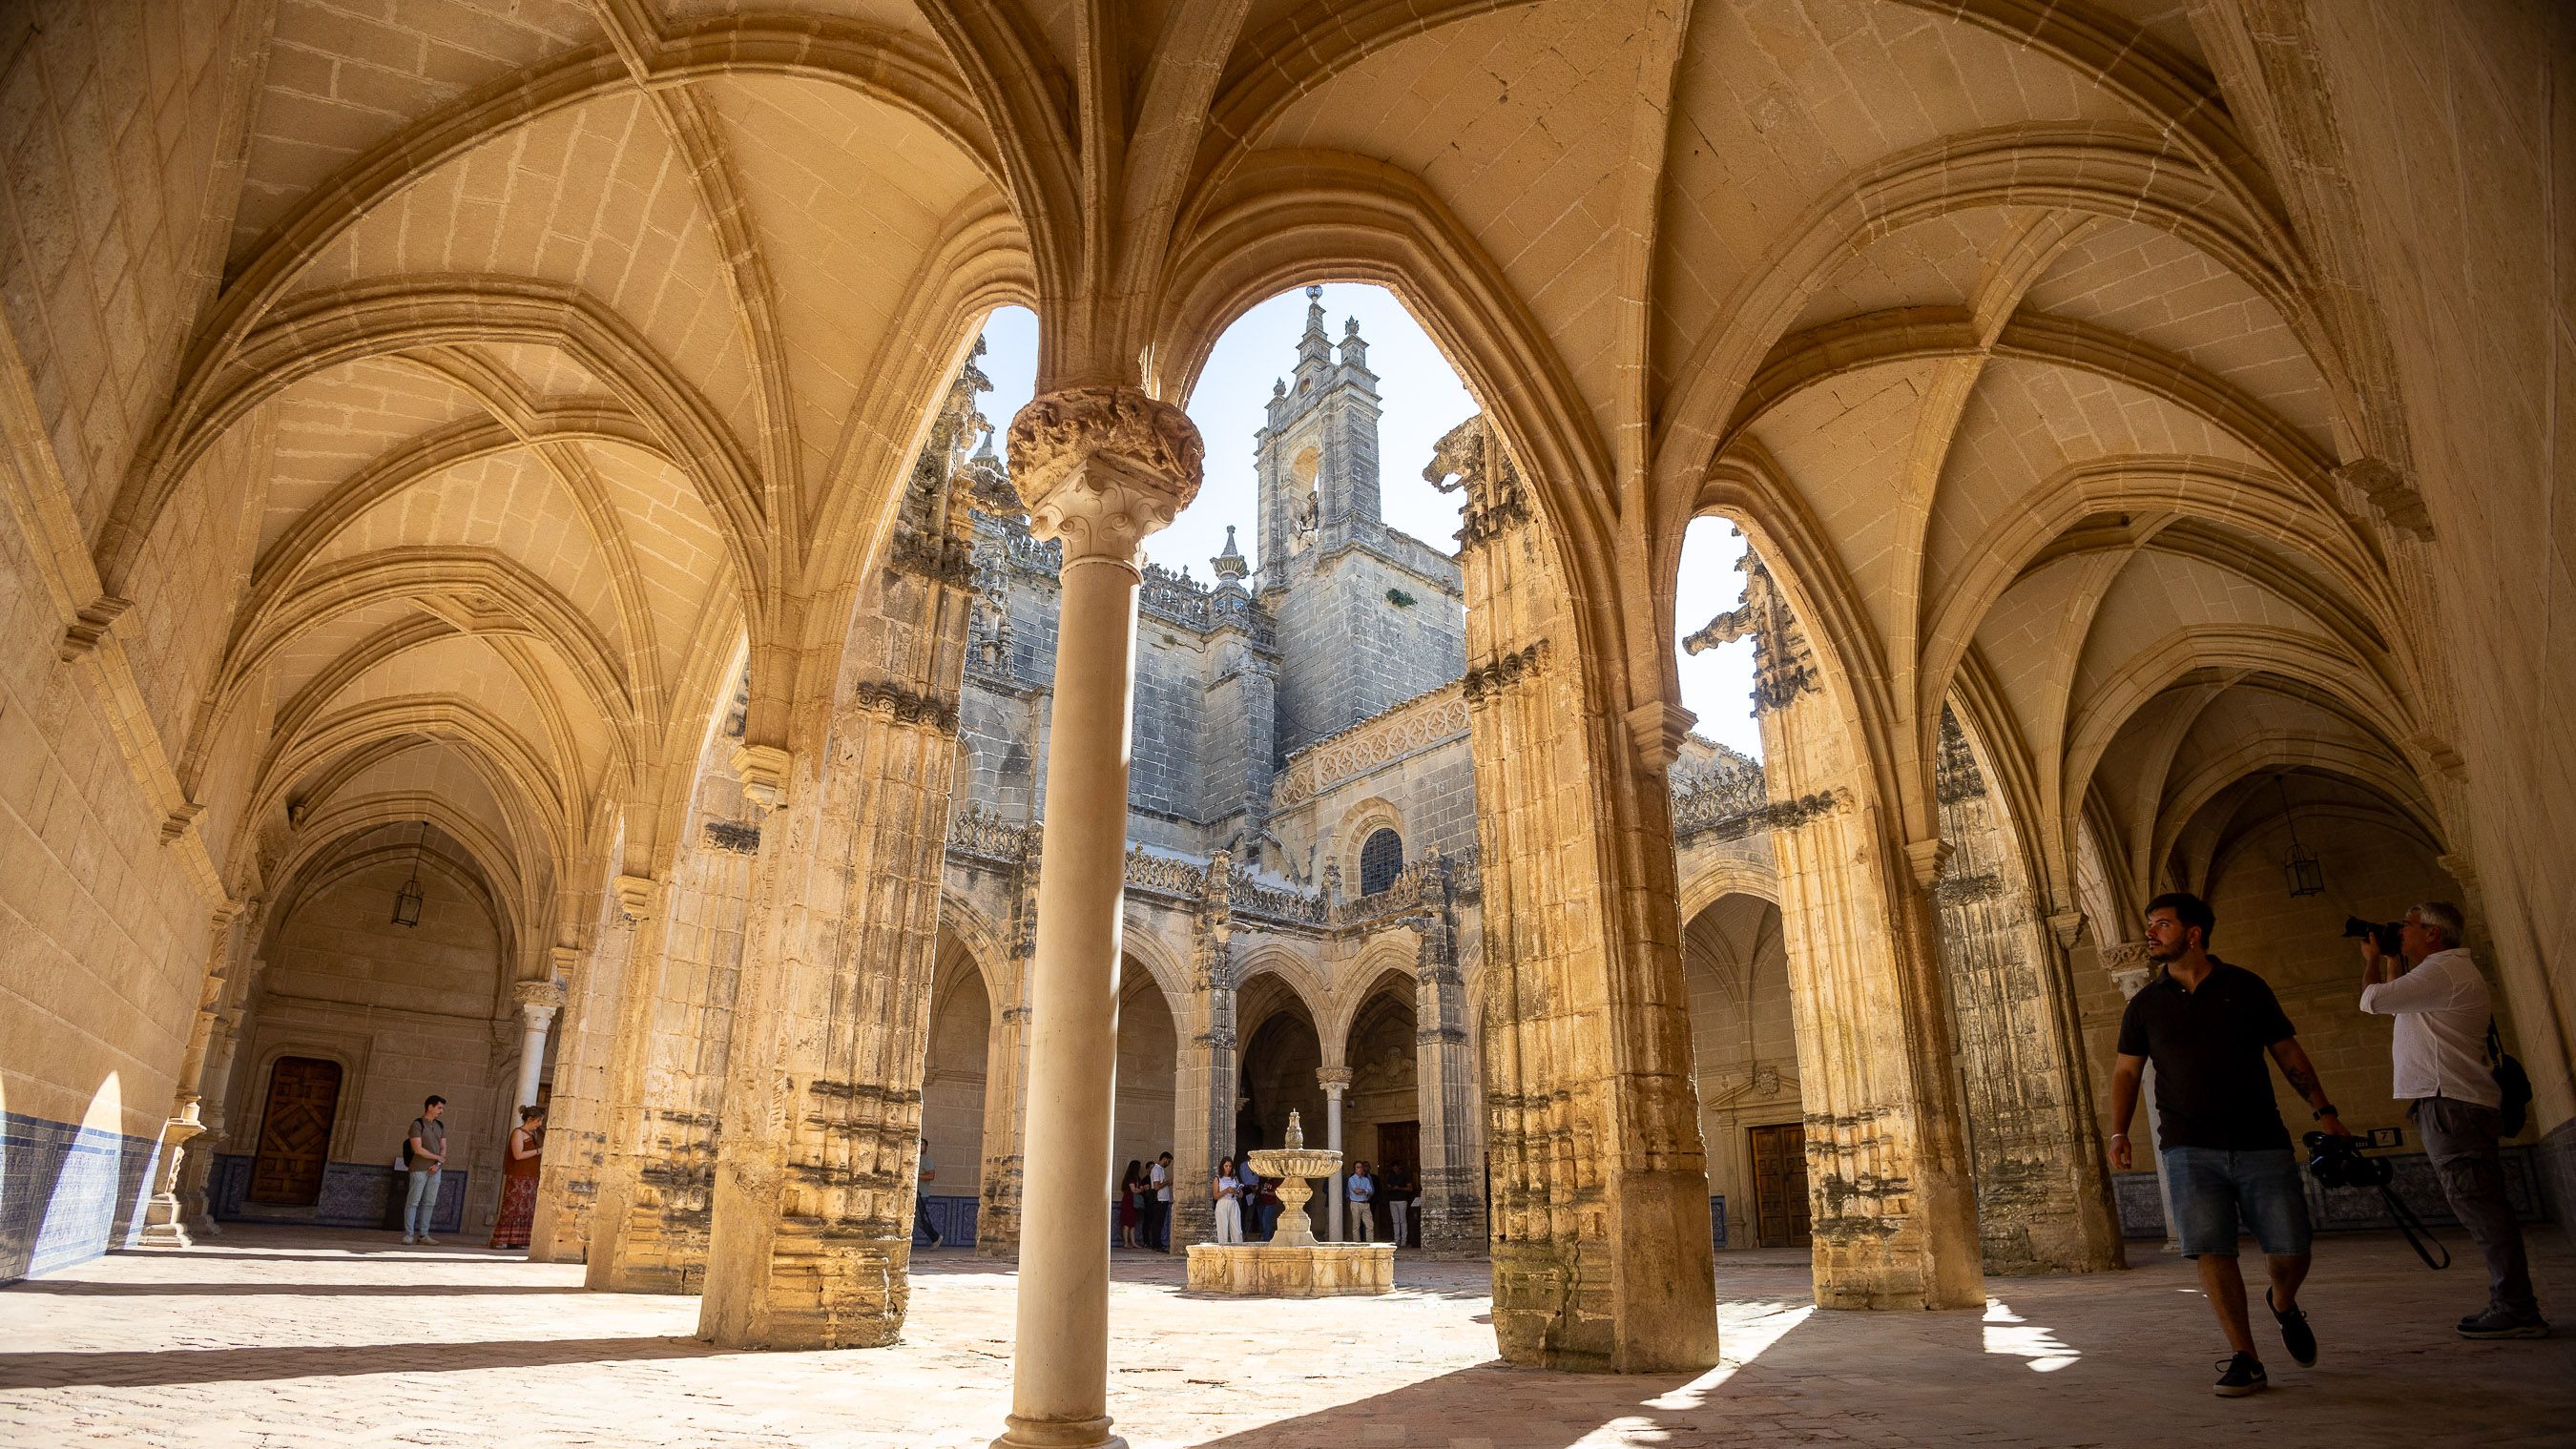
column 1395, row 1209
column 1229, row 1220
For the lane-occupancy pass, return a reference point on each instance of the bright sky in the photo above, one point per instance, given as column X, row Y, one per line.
column 1422, row 399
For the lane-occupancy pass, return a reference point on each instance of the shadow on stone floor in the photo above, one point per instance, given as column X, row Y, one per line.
column 164, row 1367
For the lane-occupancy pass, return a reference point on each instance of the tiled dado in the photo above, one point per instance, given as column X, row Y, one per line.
column 354, row 1195
column 67, row 1193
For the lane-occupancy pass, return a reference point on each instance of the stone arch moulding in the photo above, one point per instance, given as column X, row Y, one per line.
column 1389, row 955
column 1358, row 823
column 1725, row 876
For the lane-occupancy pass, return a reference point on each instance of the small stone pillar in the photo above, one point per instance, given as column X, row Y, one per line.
column 538, row 1003
column 1335, row 1081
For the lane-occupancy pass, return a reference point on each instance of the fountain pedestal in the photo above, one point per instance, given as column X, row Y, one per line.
column 1293, row 1264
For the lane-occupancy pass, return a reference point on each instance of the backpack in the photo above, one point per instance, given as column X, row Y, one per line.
column 2511, row 1080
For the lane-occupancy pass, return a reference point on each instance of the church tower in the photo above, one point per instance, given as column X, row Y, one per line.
column 1316, row 460
column 1367, row 616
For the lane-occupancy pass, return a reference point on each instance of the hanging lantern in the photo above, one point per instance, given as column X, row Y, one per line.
column 407, row 901
column 2301, row 870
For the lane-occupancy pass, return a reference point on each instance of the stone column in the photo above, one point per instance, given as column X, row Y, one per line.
column 816, row 1154
column 1601, row 1242
column 2043, row 1200
column 568, row 1176
column 538, row 1003
column 1209, row 1066
column 1006, row 1066
column 1894, row 1211
column 1100, row 468
column 1335, row 1081
column 1452, row 1215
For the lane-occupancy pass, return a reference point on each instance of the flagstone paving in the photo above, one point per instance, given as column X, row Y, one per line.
column 277, row 1338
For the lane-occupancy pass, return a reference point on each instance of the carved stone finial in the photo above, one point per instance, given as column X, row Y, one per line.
column 1101, row 467
column 1296, row 1138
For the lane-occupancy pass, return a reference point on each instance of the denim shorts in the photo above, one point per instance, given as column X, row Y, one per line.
column 2214, row 1190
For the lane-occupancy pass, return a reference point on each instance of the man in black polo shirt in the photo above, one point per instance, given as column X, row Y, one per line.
column 2206, row 1025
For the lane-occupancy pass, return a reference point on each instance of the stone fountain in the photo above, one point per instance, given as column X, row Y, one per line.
column 1293, row 1264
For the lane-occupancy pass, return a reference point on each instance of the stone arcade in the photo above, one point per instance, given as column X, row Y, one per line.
column 507, row 598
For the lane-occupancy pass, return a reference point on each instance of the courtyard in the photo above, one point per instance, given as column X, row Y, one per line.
column 279, row 1337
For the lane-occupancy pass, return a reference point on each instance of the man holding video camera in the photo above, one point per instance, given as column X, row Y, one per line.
column 2433, row 989
column 2207, row 1026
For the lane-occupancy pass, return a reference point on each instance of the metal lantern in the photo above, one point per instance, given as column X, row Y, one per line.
column 2301, row 871
column 407, row 902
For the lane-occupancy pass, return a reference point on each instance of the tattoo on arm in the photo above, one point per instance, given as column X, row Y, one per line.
column 2303, row 1079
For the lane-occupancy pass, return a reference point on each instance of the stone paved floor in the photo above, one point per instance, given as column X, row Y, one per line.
column 284, row 1337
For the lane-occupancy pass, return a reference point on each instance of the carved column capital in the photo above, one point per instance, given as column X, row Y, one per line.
column 2129, row 967
column 1334, row 1080
column 538, row 1000
column 1101, row 467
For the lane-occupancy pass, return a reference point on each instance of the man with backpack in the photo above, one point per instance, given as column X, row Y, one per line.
column 424, row 1154
column 2444, row 1024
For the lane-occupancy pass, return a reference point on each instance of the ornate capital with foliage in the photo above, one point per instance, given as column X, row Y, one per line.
column 1101, row 467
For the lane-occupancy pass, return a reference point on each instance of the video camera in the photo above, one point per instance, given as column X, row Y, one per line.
column 2339, row 1162
column 2382, row 933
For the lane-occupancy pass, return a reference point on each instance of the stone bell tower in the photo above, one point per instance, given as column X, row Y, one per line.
column 1316, row 460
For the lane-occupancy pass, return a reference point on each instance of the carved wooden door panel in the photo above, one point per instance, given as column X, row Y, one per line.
column 1780, row 1210
column 295, row 1131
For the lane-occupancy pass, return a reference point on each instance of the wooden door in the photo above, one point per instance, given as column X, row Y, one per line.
column 1780, row 1210
column 295, row 1131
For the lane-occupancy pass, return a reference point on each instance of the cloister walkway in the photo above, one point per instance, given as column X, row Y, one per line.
column 278, row 1338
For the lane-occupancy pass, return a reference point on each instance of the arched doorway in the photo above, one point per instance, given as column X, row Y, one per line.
column 1382, row 1121
column 1142, row 1121
column 1744, row 1061
column 954, row 1074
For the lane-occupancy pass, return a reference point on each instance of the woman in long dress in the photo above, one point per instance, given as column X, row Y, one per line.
column 519, row 1180
column 1130, row 1188
column 1229, row 1204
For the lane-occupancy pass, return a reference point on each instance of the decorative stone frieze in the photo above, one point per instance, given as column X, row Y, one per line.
column 1429, row 721
column 733, row 836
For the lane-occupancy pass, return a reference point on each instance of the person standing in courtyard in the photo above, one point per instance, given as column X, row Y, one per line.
column 520, row 1166
column 1229, row 1204
column 921, row 1194
column 2206, row 1026
column 1398, row 1187
column 1359, row 1189
column 2444, row 1018
column 424, row 1154
column 1131, row 1186
column 1158, row 1204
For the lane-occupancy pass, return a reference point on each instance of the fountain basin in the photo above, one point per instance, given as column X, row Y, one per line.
column 1268, row 1270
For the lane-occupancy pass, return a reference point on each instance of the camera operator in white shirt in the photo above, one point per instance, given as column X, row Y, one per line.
column 2440, row 1004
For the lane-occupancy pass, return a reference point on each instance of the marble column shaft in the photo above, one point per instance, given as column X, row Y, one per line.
column 1100, row 468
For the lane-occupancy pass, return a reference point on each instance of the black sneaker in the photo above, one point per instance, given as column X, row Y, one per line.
column 2241, row 1375
column 2296, row 1336
column 2496, row 1323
